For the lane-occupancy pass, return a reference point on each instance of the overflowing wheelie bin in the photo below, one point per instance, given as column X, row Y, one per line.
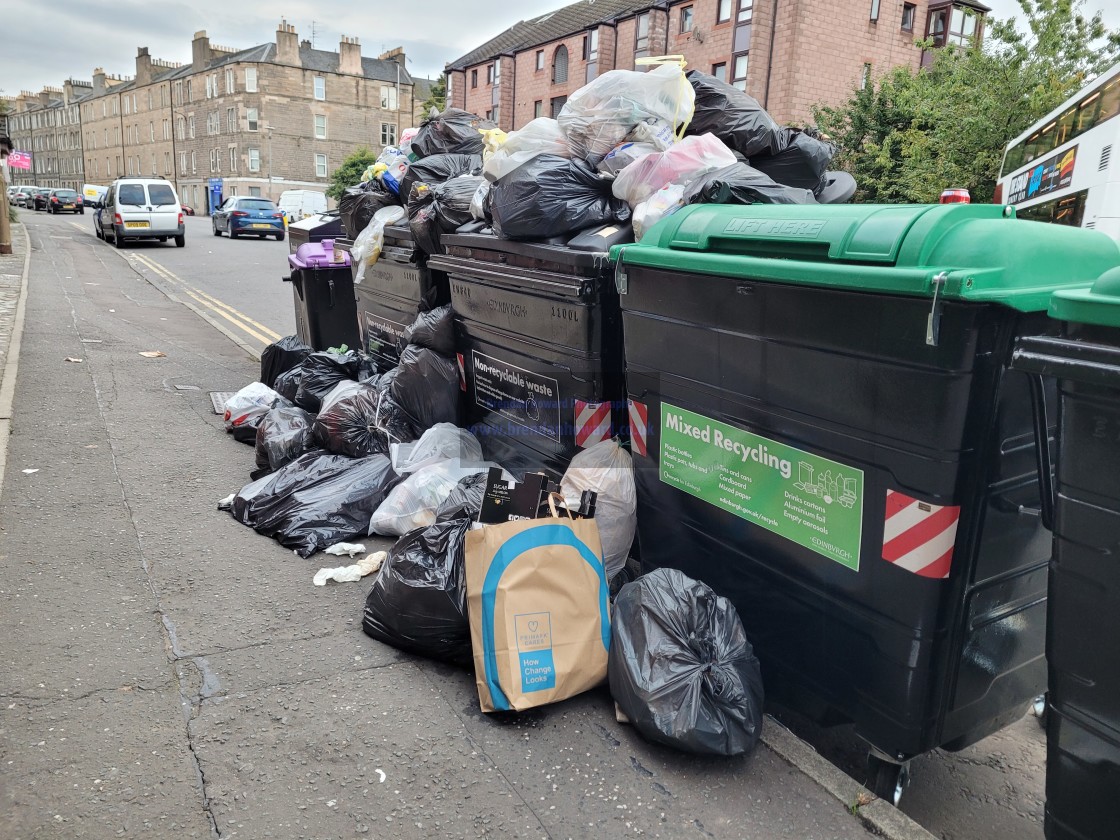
column 826, row 430
column 1083, row 620
column 539, row 338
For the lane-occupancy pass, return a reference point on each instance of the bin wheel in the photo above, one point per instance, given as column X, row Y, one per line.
column 886, row 779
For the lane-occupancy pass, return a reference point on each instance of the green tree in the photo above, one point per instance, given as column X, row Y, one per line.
column 350, row 171
column 437, row 97
column 913, row 133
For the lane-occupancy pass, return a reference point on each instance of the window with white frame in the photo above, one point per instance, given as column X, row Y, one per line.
column 151, row 131
column 194, row 162
column 320, row 126
column 320, row 84
column 229, row 80
column 126, row 111
column 190, row 97
column 251, row 79
column 320, row 166
column 388, row 134
column 214, row 160
column 231, row 120
column 232, row 158
column 254, row 160
column 209, row 88
column 252, row 119
column 190, row 126
column 388, row 98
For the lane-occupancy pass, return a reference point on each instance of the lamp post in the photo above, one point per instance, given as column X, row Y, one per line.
column 270, row 163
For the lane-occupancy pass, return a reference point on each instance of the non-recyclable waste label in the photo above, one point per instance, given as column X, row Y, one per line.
column 383, row 335
column 525, row 398
column 812, row 501
column 534, row 649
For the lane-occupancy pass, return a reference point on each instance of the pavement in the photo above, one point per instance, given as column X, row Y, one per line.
column 167, row 672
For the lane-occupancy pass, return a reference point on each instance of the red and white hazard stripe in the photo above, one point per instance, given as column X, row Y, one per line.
column 919, row 536
column 639, row 427
column 462, row 372
column 593, row 423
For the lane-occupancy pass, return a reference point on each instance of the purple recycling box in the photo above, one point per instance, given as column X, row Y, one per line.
column 319, row 255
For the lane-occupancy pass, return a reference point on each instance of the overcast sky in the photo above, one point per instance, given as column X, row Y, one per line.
column 43, row 42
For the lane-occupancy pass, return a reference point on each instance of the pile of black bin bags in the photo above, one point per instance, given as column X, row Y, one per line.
column 322, row 445
column 554, row 178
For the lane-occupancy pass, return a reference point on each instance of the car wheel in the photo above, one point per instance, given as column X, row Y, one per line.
column 181, row 241
column 97, row 232
column 279, row 237
column 216, row 231
column 232, row 233
column 118, row 240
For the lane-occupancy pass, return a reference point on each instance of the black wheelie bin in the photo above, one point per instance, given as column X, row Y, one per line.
column 323, row 295
column 539, row 344
column 393, row 290
column 826, row 431
column 1083, row 611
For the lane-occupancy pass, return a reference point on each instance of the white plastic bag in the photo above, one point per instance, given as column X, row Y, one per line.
column 442, row 442
column 368, row 244
column 607, row 469
column 653, row 131
column 681, row 163
column 478, row 203
column 412, row 504
column 541, row 136
column 251, row 401
column 665, row 202
column 600, row 115
column 351, row 574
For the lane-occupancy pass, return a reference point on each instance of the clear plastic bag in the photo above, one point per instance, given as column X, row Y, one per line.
column 282, row 436
column 442, row 442
column 367, row 247
column 600, row 115
column 607, row 469
column 413, row 503
column 541, row 136
column 682, row 163
column 663, row 203
column 623, row 155
column 250, row 402
column 480, row 203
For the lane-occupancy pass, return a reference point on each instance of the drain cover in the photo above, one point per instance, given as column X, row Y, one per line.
column 218, row 398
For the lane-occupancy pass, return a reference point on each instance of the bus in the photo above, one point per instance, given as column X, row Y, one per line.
column 1063, row 168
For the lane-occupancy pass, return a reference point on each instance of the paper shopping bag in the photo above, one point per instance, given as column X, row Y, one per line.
column 539, row 616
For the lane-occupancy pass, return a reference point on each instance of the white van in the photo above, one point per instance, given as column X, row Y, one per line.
column 140, row 208
column 299, row 204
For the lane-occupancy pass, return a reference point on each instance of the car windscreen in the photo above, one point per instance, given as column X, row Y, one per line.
column 256, row 204
column 131, row 194
column 161, row 194
column 69, row 195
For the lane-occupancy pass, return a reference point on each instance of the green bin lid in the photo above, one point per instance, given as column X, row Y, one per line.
column 1099, row 305
column 974, row 252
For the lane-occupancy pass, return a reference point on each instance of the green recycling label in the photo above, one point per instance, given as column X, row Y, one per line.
column 813, row 501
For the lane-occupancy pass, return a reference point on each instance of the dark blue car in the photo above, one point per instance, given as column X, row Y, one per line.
column 240, row 216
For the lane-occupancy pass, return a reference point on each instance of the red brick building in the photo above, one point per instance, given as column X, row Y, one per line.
column 788, row 54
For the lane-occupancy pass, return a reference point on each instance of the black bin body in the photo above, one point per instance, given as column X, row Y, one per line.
column 324, row 307
column 827, row 431
column 314, row 229
column 1083, row 632
column 539, row 343
column 395, row 288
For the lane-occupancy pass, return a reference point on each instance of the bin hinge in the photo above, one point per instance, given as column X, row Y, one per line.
column 621, row 281
column 933, row 322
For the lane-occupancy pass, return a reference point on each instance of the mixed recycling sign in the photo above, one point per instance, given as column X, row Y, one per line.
column 810, row 500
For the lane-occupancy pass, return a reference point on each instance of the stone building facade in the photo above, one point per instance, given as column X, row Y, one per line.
column 48, row 124
column 791, row 55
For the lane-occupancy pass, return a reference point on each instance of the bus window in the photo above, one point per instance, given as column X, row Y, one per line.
column 1087, row 113
column 1110, row 100
column 1046, row 139
column 1069, row 210
column 1065, row 126
column 1034, row 148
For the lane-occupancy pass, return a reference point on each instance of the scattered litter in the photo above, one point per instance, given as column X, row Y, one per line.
column 351, row 574
column 151, row 354
column 71, row 359
column 92, row 446
column 227, row 502
column 380, row 773
column 349, row 549
column 91, row 341
column 28, row 472
column 187, row 388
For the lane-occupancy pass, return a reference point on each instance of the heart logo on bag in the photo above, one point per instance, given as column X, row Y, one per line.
column 533, row 625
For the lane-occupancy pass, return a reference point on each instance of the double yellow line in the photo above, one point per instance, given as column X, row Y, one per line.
column 223, row 310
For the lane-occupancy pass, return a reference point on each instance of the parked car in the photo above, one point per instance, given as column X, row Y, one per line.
column 65, row 201
column 259, row 216
column 187, row 211
column 23, row 196
column 39, row 197
column 299, row 204
column 12, row 194
column 140, row 208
